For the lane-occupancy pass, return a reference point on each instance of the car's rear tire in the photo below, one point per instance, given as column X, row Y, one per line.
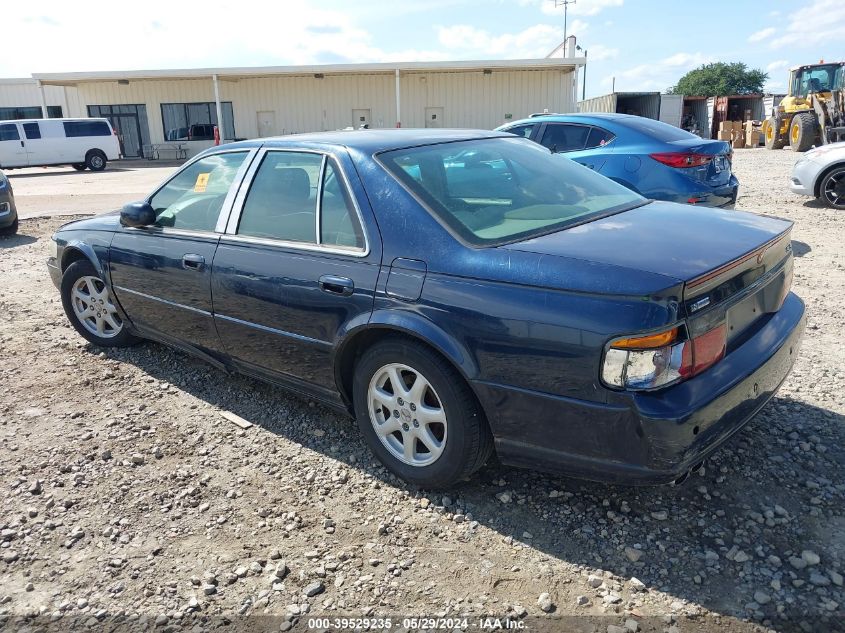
column 439, row 434
column 79, row 166
column 95, row 160
column 11, row 229
column 90, row 307
column 832, row 188
column 772, row 136
column 803, row 131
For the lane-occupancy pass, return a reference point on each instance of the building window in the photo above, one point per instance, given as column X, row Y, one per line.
column 29, row 112
column 196, row 121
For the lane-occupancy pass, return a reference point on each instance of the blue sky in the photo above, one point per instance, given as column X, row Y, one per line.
column 644, row 44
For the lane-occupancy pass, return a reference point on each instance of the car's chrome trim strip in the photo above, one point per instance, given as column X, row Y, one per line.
column 272, row 330
column 165, row 301
column 301, row 246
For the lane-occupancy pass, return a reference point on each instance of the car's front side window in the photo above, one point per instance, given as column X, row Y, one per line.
column 521, row 130
column 192, row 200
column 9, row 132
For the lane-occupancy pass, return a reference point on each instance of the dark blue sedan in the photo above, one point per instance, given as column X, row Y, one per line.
column 658, row 161
column 458, row 292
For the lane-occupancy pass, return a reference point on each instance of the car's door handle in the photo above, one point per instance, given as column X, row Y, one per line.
column 22, row 144
column 337, row 285
column 192, row 261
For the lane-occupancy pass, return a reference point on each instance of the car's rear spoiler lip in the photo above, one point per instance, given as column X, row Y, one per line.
column 757, row 254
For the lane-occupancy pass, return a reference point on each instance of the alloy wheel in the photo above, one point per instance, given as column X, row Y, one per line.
column 834, row 188
column 407, row 414
column 93, row 306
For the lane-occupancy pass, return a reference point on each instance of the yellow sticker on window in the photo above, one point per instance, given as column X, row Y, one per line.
column 201, row 183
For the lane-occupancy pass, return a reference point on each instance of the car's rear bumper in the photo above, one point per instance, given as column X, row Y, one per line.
column 646, row 438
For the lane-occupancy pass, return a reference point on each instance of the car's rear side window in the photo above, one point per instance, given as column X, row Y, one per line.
column 282, row 203
column 598, row 138
column 86, row 128
column 9, row 132
column 282, row 199
column 499, row 190
column 564, row 137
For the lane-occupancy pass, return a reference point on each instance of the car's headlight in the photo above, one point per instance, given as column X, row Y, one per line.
column 661, row 359
column 53, row 247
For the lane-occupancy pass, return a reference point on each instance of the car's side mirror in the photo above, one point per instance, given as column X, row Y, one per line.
column 137, row 214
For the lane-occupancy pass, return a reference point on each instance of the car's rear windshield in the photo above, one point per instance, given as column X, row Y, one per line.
column 659, row 130
column 498, row 190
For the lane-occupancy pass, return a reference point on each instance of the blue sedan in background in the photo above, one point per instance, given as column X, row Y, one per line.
column 657, row 160
column 457, row 292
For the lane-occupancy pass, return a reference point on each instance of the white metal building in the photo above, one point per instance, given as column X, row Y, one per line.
column 162, row 106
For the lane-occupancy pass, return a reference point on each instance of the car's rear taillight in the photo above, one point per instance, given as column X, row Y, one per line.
column 704, row 351
column 682, row 160
column 661, row 359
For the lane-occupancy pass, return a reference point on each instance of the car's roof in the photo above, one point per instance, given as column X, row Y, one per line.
column 372, row 141
column 58, row 119
column 579, row 116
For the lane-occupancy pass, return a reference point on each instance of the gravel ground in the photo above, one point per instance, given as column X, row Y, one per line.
column 129, row 500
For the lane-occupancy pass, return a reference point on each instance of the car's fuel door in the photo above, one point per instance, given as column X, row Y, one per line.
column 405, row 279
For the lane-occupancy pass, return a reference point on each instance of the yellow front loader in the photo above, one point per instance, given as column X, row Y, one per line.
column 813, row 113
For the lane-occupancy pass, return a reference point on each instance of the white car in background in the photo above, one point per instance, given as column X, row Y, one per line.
column 821, row 173
column 81, row 143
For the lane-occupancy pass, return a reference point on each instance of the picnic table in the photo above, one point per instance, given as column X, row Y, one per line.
column 154, row 151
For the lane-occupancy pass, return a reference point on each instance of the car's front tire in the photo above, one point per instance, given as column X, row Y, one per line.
column 95, row 160
column 418, row 415
column 90, row 307
column 11, row 229
column 832, row 188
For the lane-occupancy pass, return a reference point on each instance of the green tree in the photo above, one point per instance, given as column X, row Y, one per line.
column 720, row 79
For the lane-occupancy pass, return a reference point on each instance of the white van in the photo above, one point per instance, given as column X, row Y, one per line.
column 78, row 142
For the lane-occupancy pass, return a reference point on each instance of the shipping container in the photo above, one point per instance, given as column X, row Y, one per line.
column 737, row 108
column 770, row 102
column 646, row 104
column 697, row 116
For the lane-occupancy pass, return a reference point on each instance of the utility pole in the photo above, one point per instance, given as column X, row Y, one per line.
column 565, row 4
column 584, row 89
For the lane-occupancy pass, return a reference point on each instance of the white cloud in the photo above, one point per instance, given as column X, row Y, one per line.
column 535, row 41
column 175, row 35
column 598, row 52
column 820, row 22
column 656, row 75
column 777, row 66
column 581, row 7
column 763, row 34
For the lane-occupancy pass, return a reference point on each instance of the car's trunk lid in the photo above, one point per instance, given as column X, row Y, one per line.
column 735, row 267
column 679, row 241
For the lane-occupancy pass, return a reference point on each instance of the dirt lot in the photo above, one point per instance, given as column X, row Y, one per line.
column 43, row 191
column 128, row 498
